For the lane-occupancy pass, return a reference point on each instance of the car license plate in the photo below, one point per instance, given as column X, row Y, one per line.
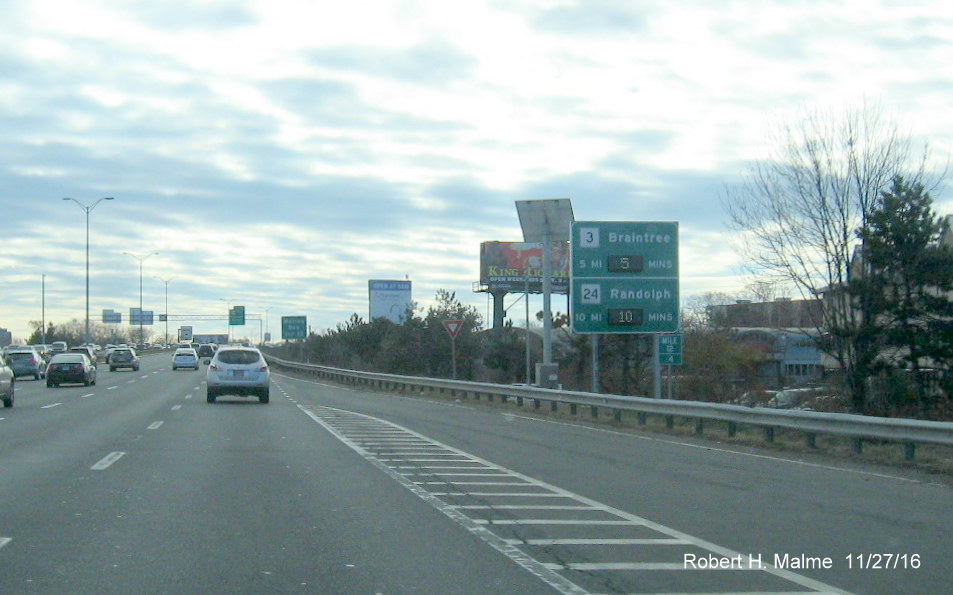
column 238, row 373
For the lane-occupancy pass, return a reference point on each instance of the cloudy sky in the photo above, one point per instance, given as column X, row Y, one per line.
column 279, row 154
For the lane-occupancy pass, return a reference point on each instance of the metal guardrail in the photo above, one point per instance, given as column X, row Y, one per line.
column 908, row 432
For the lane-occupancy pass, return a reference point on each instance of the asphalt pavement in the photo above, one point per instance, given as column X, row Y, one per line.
column 137, row 485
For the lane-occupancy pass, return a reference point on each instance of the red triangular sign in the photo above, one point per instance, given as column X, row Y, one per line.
column 453, row 327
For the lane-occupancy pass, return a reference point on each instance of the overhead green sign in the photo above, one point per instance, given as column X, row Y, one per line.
column 236, row 316
column 294, row 327
column 624, row 277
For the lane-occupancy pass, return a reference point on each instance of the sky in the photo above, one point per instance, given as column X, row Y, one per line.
column 280, row 154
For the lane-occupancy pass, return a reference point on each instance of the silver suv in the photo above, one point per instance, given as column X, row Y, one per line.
column 237, row 371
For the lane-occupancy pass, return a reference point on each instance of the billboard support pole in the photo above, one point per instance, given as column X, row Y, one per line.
column 529, row 377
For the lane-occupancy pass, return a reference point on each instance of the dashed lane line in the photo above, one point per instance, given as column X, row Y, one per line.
column 107, row 460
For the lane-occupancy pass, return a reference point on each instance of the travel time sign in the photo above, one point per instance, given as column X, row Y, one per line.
column 624, row 277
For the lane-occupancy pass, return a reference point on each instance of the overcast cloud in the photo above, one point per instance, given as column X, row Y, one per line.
column 279, row 154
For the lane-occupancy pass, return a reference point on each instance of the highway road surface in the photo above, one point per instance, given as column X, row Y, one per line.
column 137, row 485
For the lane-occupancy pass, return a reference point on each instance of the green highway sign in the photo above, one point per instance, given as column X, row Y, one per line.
column 236, row 316
column 294, row 327
column 624, row 277
column 670, row 349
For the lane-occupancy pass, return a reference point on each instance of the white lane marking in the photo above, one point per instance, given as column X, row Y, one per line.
column 188, row 396
column 176, row 407
column 112, row 388
column 549, row 542
column 550, row 577
column 86, row 396
column 5, row 540
column 338, row 421
column 155, row 425
column 107, row 460
column 144, row 377
column 50, row 406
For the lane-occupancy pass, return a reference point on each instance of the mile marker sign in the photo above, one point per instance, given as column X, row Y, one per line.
column 453, row 327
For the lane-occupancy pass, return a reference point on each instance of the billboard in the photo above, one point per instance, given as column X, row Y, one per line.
column 389, row 299
column 506, row 266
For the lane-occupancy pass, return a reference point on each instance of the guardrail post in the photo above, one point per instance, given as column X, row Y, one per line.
column 536, row 404
column 811, row 440
column 553, row 405
column 642, row 418
column 595, row 411
column 572, row 408
column 669, row 421
column 699, row 426
column 769, row 434
column 732, row 429
column 909, row 450
column 858, row 445
column 519, row 401
column 617, row 415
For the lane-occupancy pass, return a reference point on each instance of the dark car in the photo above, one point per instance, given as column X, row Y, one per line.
column 70, row 367
column 26, row 362
column 206, row 350
column 123, row 357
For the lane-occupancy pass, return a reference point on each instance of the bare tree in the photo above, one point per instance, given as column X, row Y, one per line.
column 798, row 211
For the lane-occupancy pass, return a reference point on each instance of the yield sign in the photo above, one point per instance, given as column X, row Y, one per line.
column 453, row 327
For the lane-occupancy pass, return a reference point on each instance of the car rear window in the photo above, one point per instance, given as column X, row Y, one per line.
column 68, row 359
column 239, row 356
column 20, row 356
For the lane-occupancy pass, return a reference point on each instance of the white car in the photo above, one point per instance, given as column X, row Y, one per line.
column 238, row 371
column 185, row 357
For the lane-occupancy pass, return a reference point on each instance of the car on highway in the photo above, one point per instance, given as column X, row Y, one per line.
column 240, row 371
column 57, row 347
column 25, row 361
column 185, row 357
column 70, row 367
column 206, row 350
column 85, row 349
column 7, row 384
column 123, row 357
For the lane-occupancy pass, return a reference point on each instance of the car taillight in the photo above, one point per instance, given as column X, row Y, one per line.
column 263, row 369
column 212, row 367
column 32, row 362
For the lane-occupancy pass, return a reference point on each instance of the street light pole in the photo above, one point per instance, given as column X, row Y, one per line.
column 141, row 259
column 166, row 281
column 228, row 335
column 88, row 209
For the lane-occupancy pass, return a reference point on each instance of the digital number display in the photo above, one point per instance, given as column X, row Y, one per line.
column 625, row 316
column 624, row 263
